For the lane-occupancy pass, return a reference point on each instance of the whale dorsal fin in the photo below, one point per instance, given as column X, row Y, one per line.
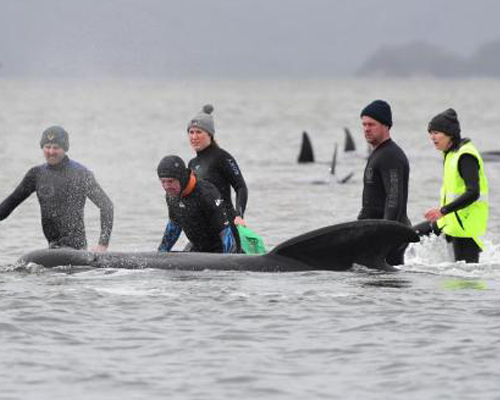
column 338, row 247
column 306, row 152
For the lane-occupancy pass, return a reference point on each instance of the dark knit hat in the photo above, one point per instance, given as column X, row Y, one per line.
column 204, row 120
column 380, row 111
column 174, row 167
column 446, row 122
column 56, row 135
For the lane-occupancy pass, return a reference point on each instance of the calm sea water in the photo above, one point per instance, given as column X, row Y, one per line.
column 431, row 331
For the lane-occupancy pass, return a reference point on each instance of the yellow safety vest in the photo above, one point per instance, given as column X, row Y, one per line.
column 472, row 220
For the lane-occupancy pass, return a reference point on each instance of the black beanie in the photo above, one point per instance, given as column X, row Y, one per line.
column 446, row 122
column 380, row 111
column 57, row 135
column 174, row 167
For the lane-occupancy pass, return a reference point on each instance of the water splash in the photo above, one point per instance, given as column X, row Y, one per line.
column 430, row 250
column 434, row 255
column 30, row 268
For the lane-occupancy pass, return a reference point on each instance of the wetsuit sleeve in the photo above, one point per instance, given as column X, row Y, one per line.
column 228, row 241
column 103, row 202
column 21, row 193
column 468, row 167
column 393, row 181
column 232, row 173
column 172, row 233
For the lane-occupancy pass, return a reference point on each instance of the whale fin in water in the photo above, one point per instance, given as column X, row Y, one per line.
column 334, row 160
column 306, row 151
column 349, row 144
column 365, row 242
column 347, row 178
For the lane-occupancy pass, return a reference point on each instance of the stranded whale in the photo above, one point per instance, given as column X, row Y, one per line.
column 333, row 248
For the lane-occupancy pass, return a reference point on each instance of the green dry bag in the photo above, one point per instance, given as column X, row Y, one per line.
column 251, row 243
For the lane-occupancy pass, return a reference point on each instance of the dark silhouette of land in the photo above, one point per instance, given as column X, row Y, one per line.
column 424, row 59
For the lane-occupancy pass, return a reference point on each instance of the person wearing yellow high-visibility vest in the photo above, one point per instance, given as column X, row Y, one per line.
column 463, row 212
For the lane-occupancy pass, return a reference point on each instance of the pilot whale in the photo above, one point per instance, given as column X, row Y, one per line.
column 306, row 154
column 333, row 248
column 493, row 155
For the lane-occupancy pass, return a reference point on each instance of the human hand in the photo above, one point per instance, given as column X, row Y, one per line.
column 239, row 221
column 433, row 214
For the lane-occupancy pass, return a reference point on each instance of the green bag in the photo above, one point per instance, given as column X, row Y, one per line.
column 251, row 243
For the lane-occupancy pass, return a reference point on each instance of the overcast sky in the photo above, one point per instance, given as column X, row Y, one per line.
column 227, row 38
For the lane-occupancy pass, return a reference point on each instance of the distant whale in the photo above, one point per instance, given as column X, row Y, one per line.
column 332, row 248
column 490, row 155
column 333, row 165
column 306, row 151
column 306, row 155
column 349, row 144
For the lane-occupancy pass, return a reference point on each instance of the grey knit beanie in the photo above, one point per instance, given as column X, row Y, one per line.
column 56, row 135
column 204, row 120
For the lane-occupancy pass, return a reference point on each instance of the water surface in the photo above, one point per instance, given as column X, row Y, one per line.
column 430, row 331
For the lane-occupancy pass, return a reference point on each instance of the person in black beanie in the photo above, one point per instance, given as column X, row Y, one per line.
column 463, row 212
column 62, row 187
column 386, row 175
column 195, row 206
column 447, row 123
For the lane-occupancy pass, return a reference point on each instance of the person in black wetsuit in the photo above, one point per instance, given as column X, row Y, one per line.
column 194, row 206
column 463, row 212
column 62, row 186
column 387, row 171
column 217, row 166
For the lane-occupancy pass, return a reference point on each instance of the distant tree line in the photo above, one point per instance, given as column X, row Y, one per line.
column 424, row 59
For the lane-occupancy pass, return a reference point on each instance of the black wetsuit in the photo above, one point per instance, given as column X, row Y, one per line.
column 62, row 190
column 220, row 168
column 385, row 189
column 464, row 249
column 201, row 216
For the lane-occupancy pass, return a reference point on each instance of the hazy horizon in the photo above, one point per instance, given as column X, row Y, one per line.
column 224, row 38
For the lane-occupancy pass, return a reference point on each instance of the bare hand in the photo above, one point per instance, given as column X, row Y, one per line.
column 100, row 248
column 239, row 221
column 433, row 214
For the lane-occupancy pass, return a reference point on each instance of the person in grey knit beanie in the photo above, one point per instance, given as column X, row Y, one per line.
column 204, row 120
column 216, row 165
column 55, row 135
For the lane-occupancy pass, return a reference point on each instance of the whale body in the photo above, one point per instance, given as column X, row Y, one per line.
column 332, row 248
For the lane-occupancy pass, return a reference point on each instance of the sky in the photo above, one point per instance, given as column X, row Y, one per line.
column 227, row 38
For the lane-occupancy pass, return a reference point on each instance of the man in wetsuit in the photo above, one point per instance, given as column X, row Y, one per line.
column 62, row 186
column 463, row 212
column 386, row 176
column 194, row 206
